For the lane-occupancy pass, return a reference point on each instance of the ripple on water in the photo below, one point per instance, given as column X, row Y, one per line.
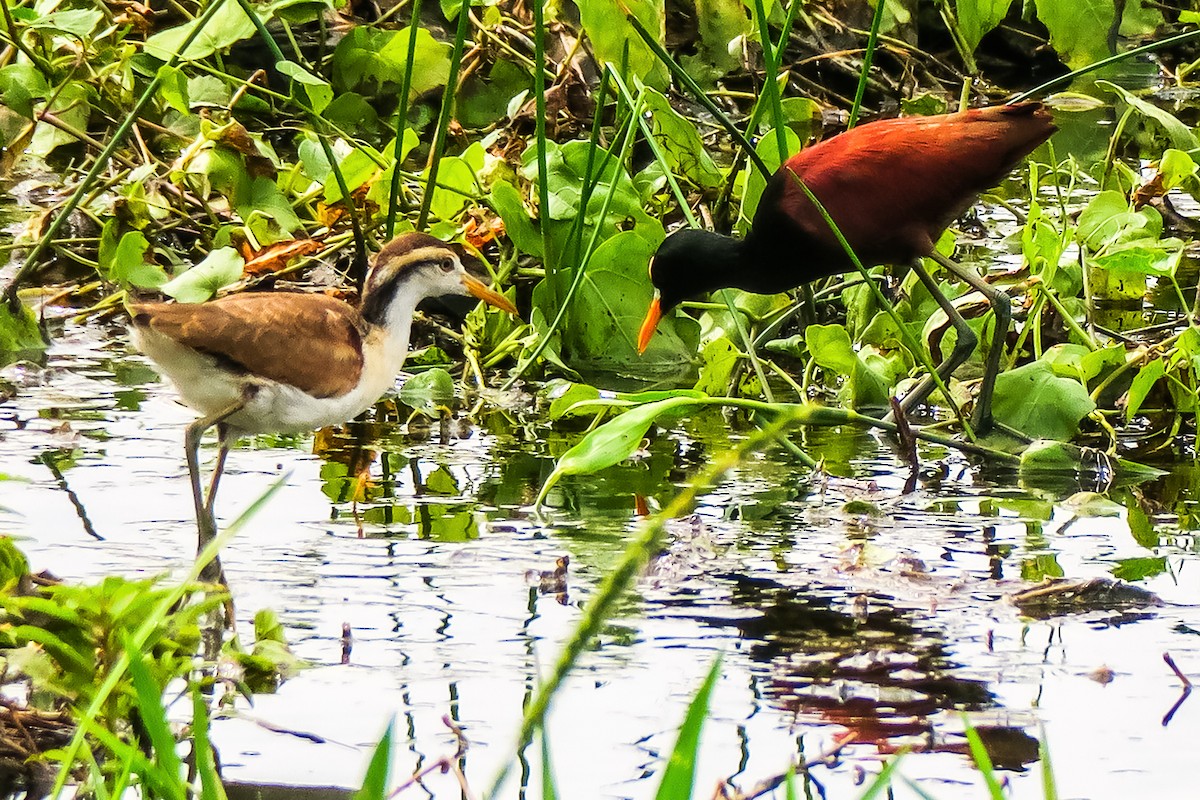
column 829, row 618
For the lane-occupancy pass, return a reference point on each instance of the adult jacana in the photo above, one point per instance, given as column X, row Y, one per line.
column 292, row 362
column 892, row 187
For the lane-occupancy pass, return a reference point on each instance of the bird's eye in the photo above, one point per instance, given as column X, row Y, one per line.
column 447, row 265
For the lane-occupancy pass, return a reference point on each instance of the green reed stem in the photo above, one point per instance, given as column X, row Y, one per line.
column 443, row 122
column 590, row 179
column 699, row 94
column 402, row 119
column 681, row 199
column 776, row 60
column 771, row 79
column 868, row 56
column 549, row 259
column 1102, row 63
column 581, row 269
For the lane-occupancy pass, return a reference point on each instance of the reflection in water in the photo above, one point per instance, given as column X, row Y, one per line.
column 840, row 604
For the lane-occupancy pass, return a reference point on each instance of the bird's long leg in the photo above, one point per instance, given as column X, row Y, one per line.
column 205, row 523
column 981, row 420
column 218, row 468
column 964, row 343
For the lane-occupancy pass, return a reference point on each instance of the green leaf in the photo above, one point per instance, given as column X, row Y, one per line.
column 455, row 188
column 1040, row 404
column 13, row 564
column 358, row 167
column 20, row 83
column 869, row 375
column 1176, row 167
column 1139, row 569
column 1179, row 134
column 219, row 269
column 1140, row 525
column 685, row 152
column 768, row 150
column 1077, row 361
column 173, row 88
column 718, row 360
column 831, row 348
column 130, row 265
column 229, row 26
column 599, row 336
column 517, row 223
column 73, row 22
column 375, row 782
column 268, row 213
column 1146, row 257
column 1078, row 28
column 720, row 24
column 680, row 775
column 611, row 35
column 1143, row 382
column 567, row 394
column 67, row 657
column 73, row 106
column 1108, row 220
column 19, row 329
column 613, row 442
column 317, row 91
column 977, row 17
column 1093, row 504
column 428, row 391
column 372, row 61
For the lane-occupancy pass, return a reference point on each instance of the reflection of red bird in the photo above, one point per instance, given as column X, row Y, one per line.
column 892, row 187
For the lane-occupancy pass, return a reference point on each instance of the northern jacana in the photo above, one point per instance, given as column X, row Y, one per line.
column 892, row 187
column 292, row 362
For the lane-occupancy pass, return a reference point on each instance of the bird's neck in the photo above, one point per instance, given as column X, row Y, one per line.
column 388, row 312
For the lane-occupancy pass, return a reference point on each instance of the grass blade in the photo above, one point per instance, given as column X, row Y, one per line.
column 868, row 57
column 983, row 762
column 166, row 773
column 211, row 787
column 402, row 118
column 549, row 787
column 680, row 775
column 549, row 258
column 375, row 782
column 87, row 722
column 443, row 123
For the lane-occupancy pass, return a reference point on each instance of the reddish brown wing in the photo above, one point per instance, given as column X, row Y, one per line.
column 310, row 341
column 893, row 186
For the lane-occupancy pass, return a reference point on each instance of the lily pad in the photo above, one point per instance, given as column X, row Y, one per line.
column 1040, row 404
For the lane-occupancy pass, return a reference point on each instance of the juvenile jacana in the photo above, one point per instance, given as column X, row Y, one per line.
column 292, row 362
column 891, row 187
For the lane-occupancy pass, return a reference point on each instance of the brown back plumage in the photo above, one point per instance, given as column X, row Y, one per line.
column 309, row 341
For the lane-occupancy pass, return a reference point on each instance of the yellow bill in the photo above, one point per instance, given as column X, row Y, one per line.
column 479, row 289
column 653, row 315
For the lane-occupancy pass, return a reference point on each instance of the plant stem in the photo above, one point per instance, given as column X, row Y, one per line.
column 868, row 57
column 402, row 120
column 443, row 123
